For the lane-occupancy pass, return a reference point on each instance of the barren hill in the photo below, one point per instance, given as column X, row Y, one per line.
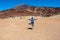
column 26, row 10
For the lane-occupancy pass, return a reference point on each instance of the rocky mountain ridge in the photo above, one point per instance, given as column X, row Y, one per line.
column 25, row 10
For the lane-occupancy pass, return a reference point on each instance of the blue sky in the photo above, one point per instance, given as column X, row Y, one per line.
column 7, row 4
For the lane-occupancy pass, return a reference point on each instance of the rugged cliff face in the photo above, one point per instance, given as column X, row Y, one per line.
column 25, row 10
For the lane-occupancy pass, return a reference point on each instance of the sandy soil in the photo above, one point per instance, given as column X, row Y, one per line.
column 17, row 29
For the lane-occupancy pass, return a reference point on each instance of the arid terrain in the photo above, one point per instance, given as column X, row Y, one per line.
column 27, row 10
column 14, row 23
column 17, row 29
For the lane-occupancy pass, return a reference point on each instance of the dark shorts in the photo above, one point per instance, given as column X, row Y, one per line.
column 32, row 23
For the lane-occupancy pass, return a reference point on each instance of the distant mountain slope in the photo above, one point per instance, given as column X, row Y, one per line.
column 26, row 10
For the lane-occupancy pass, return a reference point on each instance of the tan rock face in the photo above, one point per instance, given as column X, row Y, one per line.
column 25, row 10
